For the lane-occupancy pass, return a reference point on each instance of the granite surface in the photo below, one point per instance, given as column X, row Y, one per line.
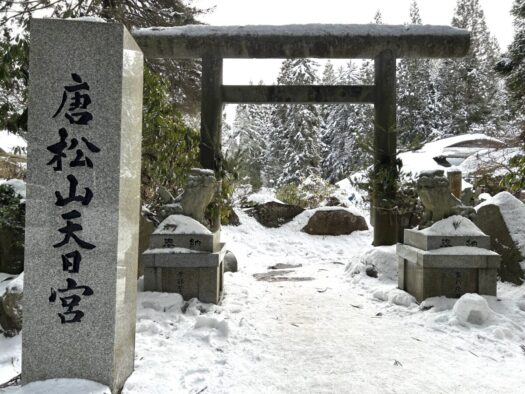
column 105, row 126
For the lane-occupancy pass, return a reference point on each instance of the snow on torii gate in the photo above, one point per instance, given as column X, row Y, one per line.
column 383, row 43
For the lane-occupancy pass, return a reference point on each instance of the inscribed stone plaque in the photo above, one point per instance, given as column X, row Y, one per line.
column 84, row 148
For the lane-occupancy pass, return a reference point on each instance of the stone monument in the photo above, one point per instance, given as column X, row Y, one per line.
column 450, row 258
column 83, row 202
column 185, row 257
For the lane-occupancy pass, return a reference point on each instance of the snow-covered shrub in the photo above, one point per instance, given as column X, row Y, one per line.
column 307, row 194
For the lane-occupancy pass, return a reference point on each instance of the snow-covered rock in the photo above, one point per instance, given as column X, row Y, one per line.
column 275, row 214
column 334, row 221
column 503, row 218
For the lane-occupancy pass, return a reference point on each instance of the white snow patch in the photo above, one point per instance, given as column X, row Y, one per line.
column 88, row 19
column 180, row 224
column 263, row 196
column 18, row 185
column 10, row 141
column 454, row 225
column 16, row 285
column 60, row 386
column 484, row 197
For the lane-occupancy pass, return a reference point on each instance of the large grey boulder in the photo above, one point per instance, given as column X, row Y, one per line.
column 275, row 214
column 11, row 307
column 334, row 221
column 503, row 218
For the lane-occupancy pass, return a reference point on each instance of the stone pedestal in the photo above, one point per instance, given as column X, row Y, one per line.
column 83, row 202
column 447, row 262
column 186, row 258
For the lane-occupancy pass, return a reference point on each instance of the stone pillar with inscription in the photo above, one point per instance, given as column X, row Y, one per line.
column 83, row 203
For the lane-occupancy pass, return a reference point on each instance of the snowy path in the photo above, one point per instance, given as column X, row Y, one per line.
column 318, row 336
column 333, row 334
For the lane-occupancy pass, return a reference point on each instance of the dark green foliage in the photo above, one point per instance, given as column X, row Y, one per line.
column 169, row 147
column 184, row 76
column 12, row 214
column 512, row 65
column 469, row 94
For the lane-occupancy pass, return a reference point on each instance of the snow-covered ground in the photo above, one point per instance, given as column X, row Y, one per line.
column 318, row 325
column 10, row 141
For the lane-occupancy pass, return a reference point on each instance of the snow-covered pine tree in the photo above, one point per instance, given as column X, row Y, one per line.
column 512, row 65
column 249, row 137
column 340, row 132
column 468, row 89
column 294, row 151
column 363, row 115
column 415, row 95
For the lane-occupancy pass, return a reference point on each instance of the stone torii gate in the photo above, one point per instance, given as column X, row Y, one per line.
column 383, row 43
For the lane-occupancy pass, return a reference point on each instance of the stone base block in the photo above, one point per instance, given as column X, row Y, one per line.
column 191, row 275
column 446, row 272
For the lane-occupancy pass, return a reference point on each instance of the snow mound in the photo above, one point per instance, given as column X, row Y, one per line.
column 381, row 260
column 472, row 308
column 161, row 302
column 180, row 224
column 16, row 285
column 513, row 213
column 60, row 386
column 262, row 197
column 221, row 326
column 454, row 225
column 394, row 296
column 349, row 193
column 438, row 304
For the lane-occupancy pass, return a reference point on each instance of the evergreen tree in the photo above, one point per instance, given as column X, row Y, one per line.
column 294, row 151
column 249, row 130
column 415, row 95
column 169, row 147
column 14, row 46
column 340, row 151
column 363, row 114
column 468, row 90
column 512, row 66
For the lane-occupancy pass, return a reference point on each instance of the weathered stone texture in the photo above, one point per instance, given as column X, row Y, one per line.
column 275, row 214
column 334, row 222
column 101, row 346
column 490, row 220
